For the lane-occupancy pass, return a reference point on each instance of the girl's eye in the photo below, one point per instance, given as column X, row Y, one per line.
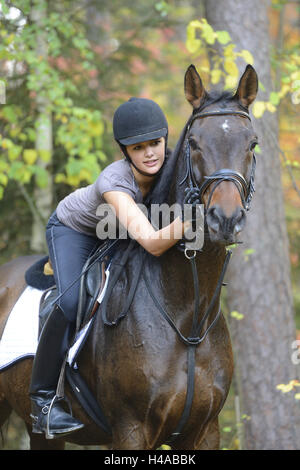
column 156, row 142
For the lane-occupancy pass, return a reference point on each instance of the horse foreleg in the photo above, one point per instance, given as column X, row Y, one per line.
column 39, row 442
column 5, row 411
column 209, row 441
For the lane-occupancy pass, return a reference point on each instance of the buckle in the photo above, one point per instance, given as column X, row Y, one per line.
column 45, row 409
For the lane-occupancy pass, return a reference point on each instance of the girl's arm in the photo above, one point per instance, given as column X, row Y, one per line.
column 136, row 223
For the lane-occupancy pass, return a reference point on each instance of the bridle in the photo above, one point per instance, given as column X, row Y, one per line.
column 245, row 188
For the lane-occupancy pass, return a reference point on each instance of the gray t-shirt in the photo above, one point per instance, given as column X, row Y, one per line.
column 78, row 209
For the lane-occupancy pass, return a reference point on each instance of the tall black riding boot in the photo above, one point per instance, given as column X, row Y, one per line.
column 47, row 413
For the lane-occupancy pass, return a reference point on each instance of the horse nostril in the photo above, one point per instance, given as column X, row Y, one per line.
column 213, row 219
column 240, row 221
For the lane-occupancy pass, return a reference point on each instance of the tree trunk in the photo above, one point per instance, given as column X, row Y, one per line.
column 259, row 284
column 42, row 196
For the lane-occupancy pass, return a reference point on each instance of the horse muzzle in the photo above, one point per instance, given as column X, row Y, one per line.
column 222, row 228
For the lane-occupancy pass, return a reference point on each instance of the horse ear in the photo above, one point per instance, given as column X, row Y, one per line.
column 248, row 87
column 194, row 90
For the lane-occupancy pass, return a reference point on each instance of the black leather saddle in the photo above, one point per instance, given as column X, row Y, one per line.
column 91, row 284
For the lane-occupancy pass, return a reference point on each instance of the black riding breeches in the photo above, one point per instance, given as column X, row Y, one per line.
column 68, row 251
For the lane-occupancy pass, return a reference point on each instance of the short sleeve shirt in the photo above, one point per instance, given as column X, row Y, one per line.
column 78, row 209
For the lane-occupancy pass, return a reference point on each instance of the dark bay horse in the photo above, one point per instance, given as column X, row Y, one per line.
column 139, row 371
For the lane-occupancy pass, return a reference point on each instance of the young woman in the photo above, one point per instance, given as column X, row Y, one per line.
column 141, row 130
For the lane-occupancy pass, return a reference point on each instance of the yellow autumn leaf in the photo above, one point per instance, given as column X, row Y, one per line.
column 231, row 67
column 285, row 388
column 215, row 76
column 270, row 107
column 72, row 180
column 30, row 156
column 193, row 43
column 297, row 396
column 208, row 34
column 60, row 178
column 84, row 174
column 237, row 315
column 295, row 75
column 45, row 155
column 96, row 128
column 284, row 90
column 247, row 56
column 230, row 82
column 228, row 51
column 258, row 109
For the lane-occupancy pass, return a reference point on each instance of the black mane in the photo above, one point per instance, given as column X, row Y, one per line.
column 224, row 98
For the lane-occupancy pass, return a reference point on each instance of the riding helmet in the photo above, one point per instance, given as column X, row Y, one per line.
column 138, row 120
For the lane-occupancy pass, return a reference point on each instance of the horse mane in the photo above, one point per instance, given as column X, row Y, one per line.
column 222, row 97
column 160, row 191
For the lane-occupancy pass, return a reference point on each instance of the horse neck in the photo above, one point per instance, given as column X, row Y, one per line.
column 209, row 260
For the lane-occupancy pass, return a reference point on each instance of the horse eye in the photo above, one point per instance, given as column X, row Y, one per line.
column 252, row 146
column 194, row 144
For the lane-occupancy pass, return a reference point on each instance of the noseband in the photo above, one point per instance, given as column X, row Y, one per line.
column 196, row 192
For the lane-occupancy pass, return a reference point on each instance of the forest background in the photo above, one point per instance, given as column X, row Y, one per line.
column 66, row 66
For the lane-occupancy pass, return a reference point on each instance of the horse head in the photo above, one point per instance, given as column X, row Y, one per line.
column 220, row 140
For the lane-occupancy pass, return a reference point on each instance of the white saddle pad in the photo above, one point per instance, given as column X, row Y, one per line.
column 20, row 336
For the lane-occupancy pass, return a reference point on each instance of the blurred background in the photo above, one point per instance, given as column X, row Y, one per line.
column 64, row 68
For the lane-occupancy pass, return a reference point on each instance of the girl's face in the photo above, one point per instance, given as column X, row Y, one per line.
column 148, row 156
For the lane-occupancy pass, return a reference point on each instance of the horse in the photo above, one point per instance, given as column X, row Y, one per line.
column 163, row 373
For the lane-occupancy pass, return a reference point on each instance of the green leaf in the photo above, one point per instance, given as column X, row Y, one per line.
column 3, row 179
column 274, row 98
column 14, row 152
column 41, row 176
column 227, row 429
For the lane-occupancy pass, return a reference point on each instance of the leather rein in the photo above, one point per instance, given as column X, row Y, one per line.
column 246, row 190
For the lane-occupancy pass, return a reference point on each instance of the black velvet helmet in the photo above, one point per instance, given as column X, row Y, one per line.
column 139, row 120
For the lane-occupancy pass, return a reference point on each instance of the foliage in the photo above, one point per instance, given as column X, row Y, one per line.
column 78, row 130
column 200, row 36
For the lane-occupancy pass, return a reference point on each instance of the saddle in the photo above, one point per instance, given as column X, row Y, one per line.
column 40, row 275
